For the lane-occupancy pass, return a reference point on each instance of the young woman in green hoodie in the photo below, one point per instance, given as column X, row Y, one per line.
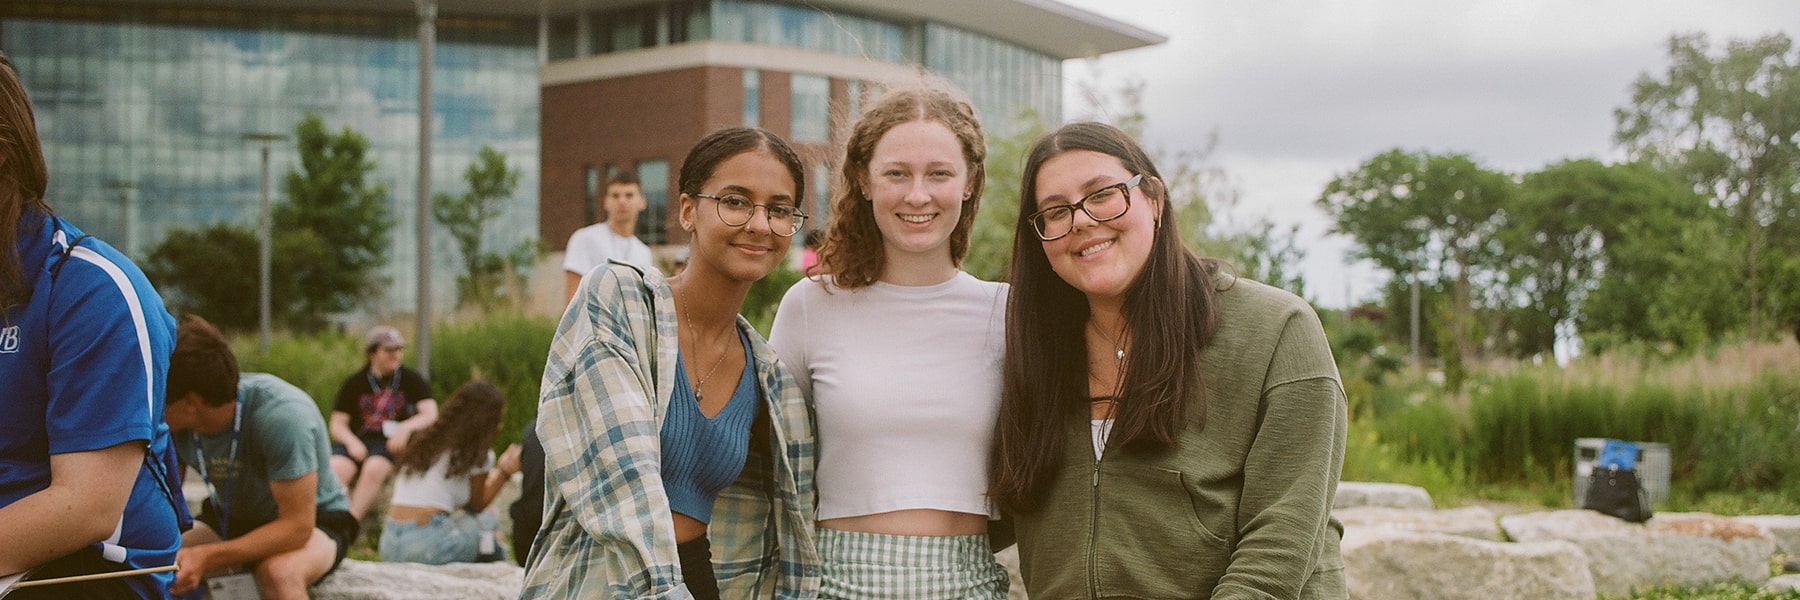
column 1168, row 429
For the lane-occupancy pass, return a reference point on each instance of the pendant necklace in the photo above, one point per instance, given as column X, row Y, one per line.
column 1118, row 364
column 700, row 384
column 1118, row 350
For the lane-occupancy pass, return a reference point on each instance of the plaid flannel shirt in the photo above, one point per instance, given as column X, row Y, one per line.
column 608, row 531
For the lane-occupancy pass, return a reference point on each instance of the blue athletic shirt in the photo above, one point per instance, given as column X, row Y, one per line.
column 84, row 363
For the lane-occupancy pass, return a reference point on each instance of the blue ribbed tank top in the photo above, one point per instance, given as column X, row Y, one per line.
column 701, row 456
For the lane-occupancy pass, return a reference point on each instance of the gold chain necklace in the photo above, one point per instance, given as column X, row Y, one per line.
column 700, row 384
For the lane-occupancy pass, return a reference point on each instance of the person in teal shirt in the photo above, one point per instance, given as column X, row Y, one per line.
column 261, row 445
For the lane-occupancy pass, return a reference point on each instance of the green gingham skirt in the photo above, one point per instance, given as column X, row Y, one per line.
column 869, row 566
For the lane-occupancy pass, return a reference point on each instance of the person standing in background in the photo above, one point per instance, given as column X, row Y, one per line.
column 613, row 238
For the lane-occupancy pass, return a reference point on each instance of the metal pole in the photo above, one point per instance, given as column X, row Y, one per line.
column 265, row 233
column 265, row 241
column 125, row 187
column 1415, row 319
column 427, row 47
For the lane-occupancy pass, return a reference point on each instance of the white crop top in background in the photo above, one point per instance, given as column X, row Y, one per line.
column 432, row 490
column 906, row 383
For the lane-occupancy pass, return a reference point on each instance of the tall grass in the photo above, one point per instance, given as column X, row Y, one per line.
column 508, row 351
column 1729, row 418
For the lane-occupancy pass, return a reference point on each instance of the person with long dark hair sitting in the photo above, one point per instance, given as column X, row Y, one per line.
column 447, row 477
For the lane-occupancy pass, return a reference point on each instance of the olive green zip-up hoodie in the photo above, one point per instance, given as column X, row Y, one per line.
column 1241, row 509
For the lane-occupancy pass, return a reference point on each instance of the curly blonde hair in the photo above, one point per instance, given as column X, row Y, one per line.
column 852, row 251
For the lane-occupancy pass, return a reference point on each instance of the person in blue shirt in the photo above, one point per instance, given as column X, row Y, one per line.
column 85, row 459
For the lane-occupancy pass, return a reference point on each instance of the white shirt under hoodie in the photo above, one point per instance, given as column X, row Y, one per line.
column 906, row 384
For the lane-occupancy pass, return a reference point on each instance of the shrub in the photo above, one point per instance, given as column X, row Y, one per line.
column 508, row 351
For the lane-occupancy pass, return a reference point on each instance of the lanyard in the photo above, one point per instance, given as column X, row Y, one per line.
column 222, row 501
column 376, row 387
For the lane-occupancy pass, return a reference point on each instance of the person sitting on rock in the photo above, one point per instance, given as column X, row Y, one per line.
column 377, row 408
column 260, row 446
column 447, row 477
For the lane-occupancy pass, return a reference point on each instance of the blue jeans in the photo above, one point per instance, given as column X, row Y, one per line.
column 447, row 538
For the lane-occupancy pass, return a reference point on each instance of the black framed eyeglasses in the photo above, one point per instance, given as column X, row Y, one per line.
column 1104, row 204
column 736, row 209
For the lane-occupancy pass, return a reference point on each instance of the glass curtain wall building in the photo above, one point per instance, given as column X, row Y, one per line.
column 1001, row 78
column 143, row 113
column 144, row 105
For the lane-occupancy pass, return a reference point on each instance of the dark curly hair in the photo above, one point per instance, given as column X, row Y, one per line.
column 465, row 429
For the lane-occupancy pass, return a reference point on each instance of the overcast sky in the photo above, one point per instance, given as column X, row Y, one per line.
column 1302, row 90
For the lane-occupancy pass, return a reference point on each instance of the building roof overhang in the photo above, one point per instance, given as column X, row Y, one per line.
column 1046, row 26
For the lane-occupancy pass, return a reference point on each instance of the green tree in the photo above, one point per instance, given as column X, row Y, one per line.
column 1198, row 188
column 1553, row 245
column 1202, row 190
column 331, row 205
column 1669, row 273
column 1730, row 123
column 991, row 238
column 491, row 184
column 210, row 272
column 1432, row 216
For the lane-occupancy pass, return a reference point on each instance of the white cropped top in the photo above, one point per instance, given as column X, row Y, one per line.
column 906, row 383
column 432, row 489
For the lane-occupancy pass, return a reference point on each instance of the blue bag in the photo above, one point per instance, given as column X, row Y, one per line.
column 1617, row 454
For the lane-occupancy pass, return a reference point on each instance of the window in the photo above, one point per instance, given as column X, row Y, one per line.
column 562, row 38
column 821, row 192
column 853, row 99
column 590, row 199
column 812, row 113
column 752, row 98
column 653, row 176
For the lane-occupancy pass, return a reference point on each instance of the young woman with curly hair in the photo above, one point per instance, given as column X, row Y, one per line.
column 447, row 477
column 899, row 351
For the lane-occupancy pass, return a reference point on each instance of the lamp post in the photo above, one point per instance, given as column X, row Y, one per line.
column 427, row 48
column 125, row 187
column 265, row 233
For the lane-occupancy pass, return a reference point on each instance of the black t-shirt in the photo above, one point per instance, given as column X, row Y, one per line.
column 371, row 400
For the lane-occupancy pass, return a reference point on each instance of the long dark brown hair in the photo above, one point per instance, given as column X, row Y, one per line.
column 1170, row 314
column 852, row 253
column 465, row 429
column 23, row 180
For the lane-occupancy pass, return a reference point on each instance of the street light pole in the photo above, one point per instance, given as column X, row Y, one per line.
column 265, row 234
column 124, row 187
column 427, row 48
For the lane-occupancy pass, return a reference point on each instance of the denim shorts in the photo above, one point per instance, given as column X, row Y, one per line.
column 447, row 538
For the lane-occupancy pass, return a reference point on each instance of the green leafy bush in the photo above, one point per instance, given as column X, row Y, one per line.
column 508, row 351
